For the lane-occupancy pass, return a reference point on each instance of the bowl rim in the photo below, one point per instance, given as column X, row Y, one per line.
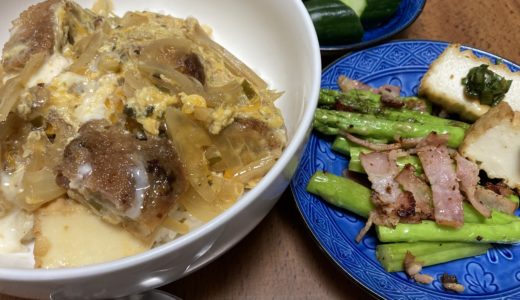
column 297, row 142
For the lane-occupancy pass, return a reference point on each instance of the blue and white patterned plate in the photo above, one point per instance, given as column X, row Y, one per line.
column 405, row 15
column 490, row 276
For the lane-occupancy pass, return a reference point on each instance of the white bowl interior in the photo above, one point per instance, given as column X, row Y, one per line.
column 277, row 40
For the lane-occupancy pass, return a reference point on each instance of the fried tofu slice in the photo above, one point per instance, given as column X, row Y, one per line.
column 493, row 142
column 68, row 235
column 442, row 83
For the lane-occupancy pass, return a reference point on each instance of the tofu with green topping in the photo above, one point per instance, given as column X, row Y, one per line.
column 442, row 84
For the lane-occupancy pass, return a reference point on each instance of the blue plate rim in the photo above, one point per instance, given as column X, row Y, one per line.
column 329, row 49
column 348, row 274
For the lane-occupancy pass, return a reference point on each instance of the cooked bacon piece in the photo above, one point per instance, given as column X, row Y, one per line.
column 467, row 174
column 392, row 203
column 419, row 189
column 390, row 95
column 492, row 200
column 367, row 226
column 499, row 188
column 438, row 167
column 346, row 84
column 409, row 142
column 406, row 207
column 450, row 282
column 412, row 267
column 370, row 145
column 381, row 171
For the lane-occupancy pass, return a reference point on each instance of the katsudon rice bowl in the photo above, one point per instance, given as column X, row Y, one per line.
column 139, row 141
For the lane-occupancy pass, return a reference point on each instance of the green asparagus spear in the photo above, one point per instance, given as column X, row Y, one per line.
column 341, row 145
column 354, row 197
column 342, row 192
column 429, row 231
column 355, row 162
column 419, row 117
column 392, row 255
column 356, row 99
column 367, row 102
column 331, row 122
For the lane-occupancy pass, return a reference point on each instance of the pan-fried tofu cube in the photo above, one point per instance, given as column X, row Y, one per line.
column 69, row 235
column 493, row 142
column 442, row 83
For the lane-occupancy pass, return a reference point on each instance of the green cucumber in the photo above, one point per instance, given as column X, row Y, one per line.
column 373, row 12
column 335, row 22
column 378, row 11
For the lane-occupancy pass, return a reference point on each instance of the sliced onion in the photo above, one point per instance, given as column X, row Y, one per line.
column 171, row 79
column 10, row 92
column 133, row 19
column 230, row 94
column 92, row 44
column 103, row 7
column 198, row 207
column 254, row 170
column 190, row 139
column 228, row 190
column 238, row 68
column 176, row 226
column 40, row 187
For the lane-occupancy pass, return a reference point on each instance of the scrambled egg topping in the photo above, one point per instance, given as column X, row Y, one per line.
column 130, row 72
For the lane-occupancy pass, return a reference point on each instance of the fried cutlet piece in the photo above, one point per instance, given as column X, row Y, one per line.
column 125, row 179
column 46, row 27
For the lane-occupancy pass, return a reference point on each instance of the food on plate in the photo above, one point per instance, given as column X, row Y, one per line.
column 62, row 241
column 493, row 142
column 413, row 267
column 139, row 125
column 439, row 189
column 344, row 21
column 447, row 79
column 451, row 283
column 392, row 255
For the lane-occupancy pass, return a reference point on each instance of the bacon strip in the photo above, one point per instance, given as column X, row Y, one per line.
column 381, row 171
column 390, row 95
column 420, row 190
column 467, row 174
column 370, row 145
column 346, row 84
column 495, row 201
column 367, row 226
column 499, row 188
column 438, row 167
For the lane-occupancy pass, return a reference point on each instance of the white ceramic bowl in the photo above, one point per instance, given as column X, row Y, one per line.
column 277, row 39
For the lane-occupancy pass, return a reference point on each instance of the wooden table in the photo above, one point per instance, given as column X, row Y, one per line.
column 280, row 259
